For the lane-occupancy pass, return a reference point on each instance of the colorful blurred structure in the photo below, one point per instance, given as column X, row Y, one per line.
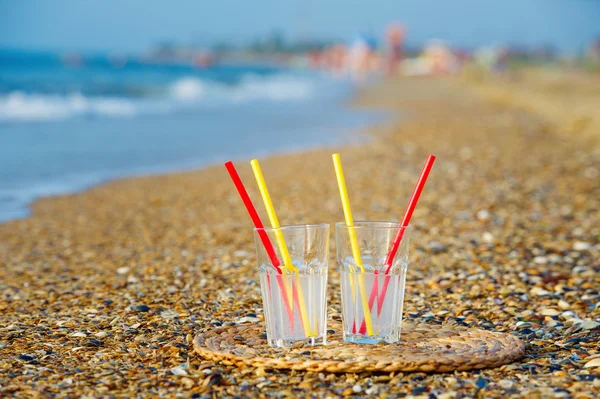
column 395, row 47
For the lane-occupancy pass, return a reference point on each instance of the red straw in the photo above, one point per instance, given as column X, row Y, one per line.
column 412, row 203
column 253, row 215
column 262, row 234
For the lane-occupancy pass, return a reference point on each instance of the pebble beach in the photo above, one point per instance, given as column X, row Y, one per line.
column 102, row 292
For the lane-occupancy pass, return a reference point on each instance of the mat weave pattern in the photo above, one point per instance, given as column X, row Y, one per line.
column 423, row 347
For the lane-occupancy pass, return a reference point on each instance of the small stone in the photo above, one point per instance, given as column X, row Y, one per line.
column 26, row 358
column 588, row 324
column 540, row 260
column 569, row 314
column 593, row 363
column 506, row 384
column 581, row 246
column 549, row 312
column 483, row 214
column 564, row 304
column 591, row 173
column 216, row 378
column 539, row 291
column 356, row 388
column 122, row 270
column 142, row 308
column 481, row 383
column 179, row 371
column 187, row 382
column 101, row 334
column 418, row 391
column 241, row 253
column 487, row 237
column 79, row 334
column 523, row 324
column 247, row 319
column 437, row 247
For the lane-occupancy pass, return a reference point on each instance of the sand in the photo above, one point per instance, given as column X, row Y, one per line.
column 103, row 291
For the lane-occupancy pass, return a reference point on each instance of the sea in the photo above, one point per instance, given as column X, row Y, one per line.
column 70, row 123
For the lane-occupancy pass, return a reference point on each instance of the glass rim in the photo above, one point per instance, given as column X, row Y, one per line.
column 375, row 224
column 394, row 272
column 293, row 227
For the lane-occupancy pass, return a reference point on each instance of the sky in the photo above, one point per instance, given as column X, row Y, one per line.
column 133, row 25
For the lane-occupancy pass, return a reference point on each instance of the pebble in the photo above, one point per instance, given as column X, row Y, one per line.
column 539, row 291
column 506, row 384
column 581, row 246
column 247, row 319
column 483, row 214
column 588, row 324
column 179, row 371
column 549, row 312
column 540, row 260
column 122, row 270
column 523, row 324
column 437, row 247
column 142, row 308
column 356, row 388
column 488, row 237
column 592, row 363
column 481, row 383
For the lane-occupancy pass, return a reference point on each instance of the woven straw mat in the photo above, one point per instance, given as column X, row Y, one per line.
column 422, row 347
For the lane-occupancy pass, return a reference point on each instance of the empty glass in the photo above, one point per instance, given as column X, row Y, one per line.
column 294, row 293
column 372, row 300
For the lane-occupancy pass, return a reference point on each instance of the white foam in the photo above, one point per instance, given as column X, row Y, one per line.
column 183, row 93
column 18, row 106
column 277, row 87
column 251, row 87
column 187, row 89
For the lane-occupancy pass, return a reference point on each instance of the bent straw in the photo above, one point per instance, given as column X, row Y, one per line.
column 412, row 203
column 339, row 173
column 262, row 234
column 287, row 260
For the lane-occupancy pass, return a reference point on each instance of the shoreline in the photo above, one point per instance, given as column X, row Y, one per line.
column 118, row 279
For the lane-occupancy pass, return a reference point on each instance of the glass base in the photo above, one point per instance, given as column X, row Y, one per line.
column 288, row 343
column 372, row 340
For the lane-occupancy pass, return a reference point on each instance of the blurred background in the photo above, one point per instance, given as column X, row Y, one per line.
column 91, row 91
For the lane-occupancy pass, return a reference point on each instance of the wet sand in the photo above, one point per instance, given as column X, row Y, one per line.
column 104, row 290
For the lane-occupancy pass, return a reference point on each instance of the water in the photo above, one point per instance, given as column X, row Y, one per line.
column 385, row 310
column 308, row 323
column 66, row 127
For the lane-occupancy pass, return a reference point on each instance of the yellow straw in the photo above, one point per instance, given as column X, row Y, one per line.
column 287, row 260
column 337, row 164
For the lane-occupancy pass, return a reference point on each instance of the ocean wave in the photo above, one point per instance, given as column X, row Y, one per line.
column 183, row 93
column 18, row 106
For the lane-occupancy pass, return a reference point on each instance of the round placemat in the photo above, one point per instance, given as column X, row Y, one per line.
column 423, row 347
